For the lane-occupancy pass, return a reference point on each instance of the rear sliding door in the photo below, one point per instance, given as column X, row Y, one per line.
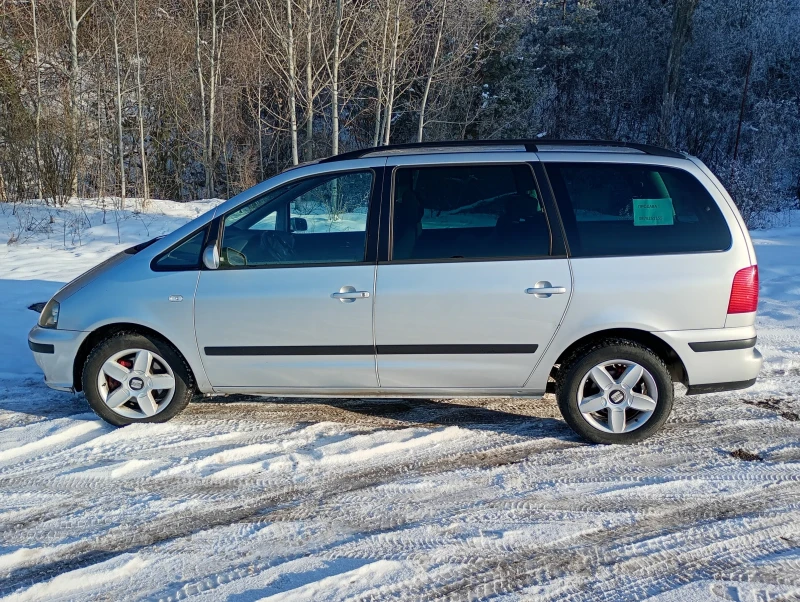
column 469, row 246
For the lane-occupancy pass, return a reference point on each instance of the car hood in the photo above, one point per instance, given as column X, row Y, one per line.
column 73, row 287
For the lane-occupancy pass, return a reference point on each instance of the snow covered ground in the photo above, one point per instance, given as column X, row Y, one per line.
column 396, row 499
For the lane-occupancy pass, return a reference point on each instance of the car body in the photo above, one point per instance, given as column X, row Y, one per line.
column 420, row 276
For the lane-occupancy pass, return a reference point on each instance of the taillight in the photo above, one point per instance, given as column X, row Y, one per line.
column 744, row 294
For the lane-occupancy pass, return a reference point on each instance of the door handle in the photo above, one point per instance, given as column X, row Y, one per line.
column 543, row 289
column 348, row 294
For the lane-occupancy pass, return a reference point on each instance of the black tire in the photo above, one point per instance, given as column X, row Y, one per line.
column 583, row 360
column 121, row 341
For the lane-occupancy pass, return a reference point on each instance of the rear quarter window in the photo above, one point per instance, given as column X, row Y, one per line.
column 624, row 209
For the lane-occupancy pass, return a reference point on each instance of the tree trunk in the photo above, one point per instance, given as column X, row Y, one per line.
column 216, row 52
column 337, row 34
column 74, row 82
column 120, row 144
column 201, row 85
column 38, row 118
column 292, row 83
column 308, row 149
column 142, row 153
column 390, row 88
column 381, row 73
column 742, row 107
column 430, row 74
column 100, row 184
column 259, row 101
column 682, row 13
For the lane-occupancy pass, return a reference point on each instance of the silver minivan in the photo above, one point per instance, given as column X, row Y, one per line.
column 603, row 271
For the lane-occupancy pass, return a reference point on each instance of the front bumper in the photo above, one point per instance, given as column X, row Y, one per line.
column 55, row 351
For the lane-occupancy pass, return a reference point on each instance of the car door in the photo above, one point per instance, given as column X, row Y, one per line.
column 290, row 306
column 475, row 280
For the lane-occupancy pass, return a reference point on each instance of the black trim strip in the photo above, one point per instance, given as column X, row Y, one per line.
column 453, row 349
column 41, row 347
column 719, row 387
column 294, row 350
column 369, row 350
column 723, row 345
column 558, row 234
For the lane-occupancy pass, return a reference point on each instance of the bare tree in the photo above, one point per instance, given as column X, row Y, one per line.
column 682, row 13
column 391, row 87
column 380, row 76
column 431, row 72
column 290, row 55
column 337, row 36
column 308, row 146
column 140, row 115
column 207, row 84
column 38, row 101
column 73, row 22
column 118, row 96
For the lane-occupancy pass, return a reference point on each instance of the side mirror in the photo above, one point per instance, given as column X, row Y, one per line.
column 233, row 257
column 211, row 257
column 298, row 224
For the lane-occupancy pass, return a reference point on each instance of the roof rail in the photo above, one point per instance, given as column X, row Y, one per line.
column 531, row 146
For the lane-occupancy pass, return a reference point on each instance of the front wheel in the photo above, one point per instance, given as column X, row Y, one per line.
column 130, row 377
column 615, row 391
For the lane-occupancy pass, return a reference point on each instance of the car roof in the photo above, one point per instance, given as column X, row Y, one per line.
column 531, row 146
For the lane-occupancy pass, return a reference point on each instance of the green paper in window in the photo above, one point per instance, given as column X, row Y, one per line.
column 653, row 212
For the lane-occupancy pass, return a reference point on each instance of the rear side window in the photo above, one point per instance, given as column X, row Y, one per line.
column 467, row 211
column 613, row 209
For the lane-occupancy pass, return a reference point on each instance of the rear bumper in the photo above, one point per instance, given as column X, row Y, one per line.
column 54, row 351
column 719, row 387
column 722, row 359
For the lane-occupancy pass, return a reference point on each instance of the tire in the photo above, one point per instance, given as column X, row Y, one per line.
column 608, row 415
column 130, row 351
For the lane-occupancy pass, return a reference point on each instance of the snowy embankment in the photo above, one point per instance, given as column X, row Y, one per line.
column 361, row 499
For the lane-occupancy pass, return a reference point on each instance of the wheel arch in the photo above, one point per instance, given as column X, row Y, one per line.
column 107, row 330
column 675, row 365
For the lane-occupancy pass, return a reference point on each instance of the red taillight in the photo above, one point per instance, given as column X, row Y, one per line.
column 744, row 294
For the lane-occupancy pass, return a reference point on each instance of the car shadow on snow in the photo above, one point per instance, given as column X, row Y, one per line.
column 521, row 417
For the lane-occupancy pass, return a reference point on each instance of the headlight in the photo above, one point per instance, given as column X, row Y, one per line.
column 49, row 315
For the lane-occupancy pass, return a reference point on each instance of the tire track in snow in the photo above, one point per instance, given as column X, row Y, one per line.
column 524, row 567
column 110, row 544
column 565, row 462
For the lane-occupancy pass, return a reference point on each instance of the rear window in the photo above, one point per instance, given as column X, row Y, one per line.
column 611, row 209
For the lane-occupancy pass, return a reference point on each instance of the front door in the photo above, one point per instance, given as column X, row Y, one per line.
column 290, row 306
column 475, row 286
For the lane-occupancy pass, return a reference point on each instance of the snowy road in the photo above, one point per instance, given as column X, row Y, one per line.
column 397, row 499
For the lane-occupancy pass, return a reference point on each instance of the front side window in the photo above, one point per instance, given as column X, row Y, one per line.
column 624, row 209
column 467, row 211
column 322, row 219
column 185, row 255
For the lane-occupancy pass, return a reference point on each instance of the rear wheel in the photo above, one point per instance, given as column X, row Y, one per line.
column 130, row 377
column 615, row 391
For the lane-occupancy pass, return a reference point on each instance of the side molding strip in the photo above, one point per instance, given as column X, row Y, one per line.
column 370, row 350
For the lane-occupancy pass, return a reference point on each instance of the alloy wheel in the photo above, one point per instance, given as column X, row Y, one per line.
column 617, row 396
column 136, row 383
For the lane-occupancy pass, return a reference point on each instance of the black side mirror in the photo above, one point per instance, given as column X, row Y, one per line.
column 298, row 224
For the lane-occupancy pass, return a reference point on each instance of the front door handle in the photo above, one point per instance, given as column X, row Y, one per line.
column 543, row 289
column 348, row 294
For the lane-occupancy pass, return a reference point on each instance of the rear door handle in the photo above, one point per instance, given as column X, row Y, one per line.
column 543, row 289
column 348, row 294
